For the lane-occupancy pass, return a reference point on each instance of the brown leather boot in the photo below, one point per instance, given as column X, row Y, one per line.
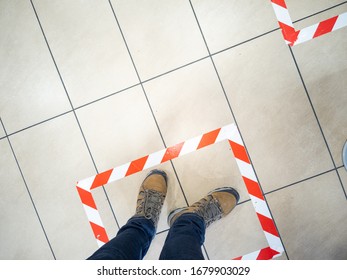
column 151, row 196
column 217, row 204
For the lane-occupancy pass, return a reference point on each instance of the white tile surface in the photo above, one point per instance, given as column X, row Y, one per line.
column 273, row 112
column 311, row 232
column 18, row 213
column 188, row 102
column 209, row 168
column 161, row 35
column 120, row 129
column 30, row 87
column 235, row 235
column 264, row 91
column 226, row 23
column 299, row 9
column 313, row 20
column 87, row 47
column 2, row 132
column 343, row 175
column 326, row 84
column 53, row 157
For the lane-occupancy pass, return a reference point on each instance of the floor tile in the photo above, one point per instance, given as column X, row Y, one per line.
column 235, row 235
column 312, row 20
column 343, row 175
column 206, row 169
column 18, row 213
column 2, row 132
column 161, row 35
column 226, row 23
column 273, row 111
column 188, row 102
column 283, row 257
column 53, row 157
column 30, row 86
column 299, row 9
column 120, row 129
column 311, row 218
column 88, row 48
column 326, row 84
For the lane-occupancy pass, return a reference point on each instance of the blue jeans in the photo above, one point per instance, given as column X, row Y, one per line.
column 184, row 240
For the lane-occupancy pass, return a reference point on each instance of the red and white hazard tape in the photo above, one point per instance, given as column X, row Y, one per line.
column 295, row 37
column 230, row 133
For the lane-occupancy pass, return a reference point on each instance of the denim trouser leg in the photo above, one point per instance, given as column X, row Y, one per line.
column 185, row 238
column 131, row 243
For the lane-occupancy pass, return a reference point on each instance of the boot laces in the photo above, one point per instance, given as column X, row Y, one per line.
column 149, row 204
column 209, row 209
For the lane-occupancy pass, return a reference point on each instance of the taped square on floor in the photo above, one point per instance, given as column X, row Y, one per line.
column 228, row 133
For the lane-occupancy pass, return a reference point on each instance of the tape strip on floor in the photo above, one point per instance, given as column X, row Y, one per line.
column 294, row 37
column 229, row 133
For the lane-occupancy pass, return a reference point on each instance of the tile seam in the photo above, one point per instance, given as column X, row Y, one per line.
column 236, row 123
column 146, row 96
column 69, row 99
column 28, row 190
column 315, row 115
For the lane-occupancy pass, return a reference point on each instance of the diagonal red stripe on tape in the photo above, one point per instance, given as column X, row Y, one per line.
column 289, row 33
column 267, row 254
column 325, row 26
column 136, row 165
column 172, row 152
column 208, row 138
column 267, row 224
column 86, row 197
column 281, row 3
column 99, row 232
column 253, row 188
column 101, row 179
column 239, row 151
column 238, row 258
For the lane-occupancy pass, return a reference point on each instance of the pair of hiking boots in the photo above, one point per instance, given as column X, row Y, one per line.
column 215, row 205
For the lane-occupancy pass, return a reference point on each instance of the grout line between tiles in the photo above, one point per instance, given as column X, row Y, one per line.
column 106, row 96
column 320, row 12
column 163, row 231
column 73, row 110
column 145, row 94
column 141, row 83
column 243, row 42
column 236, row 123
column 301, row 181
column 27, row 189
column 316, row 116
column 41, row 122
column 173, row 70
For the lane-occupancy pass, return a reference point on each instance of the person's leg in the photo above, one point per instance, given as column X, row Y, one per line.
column 188, row 224
column 133, row 239
column 185, row 238
column 131, row 243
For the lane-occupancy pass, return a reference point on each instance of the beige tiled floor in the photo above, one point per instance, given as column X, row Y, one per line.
column 87, row 86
